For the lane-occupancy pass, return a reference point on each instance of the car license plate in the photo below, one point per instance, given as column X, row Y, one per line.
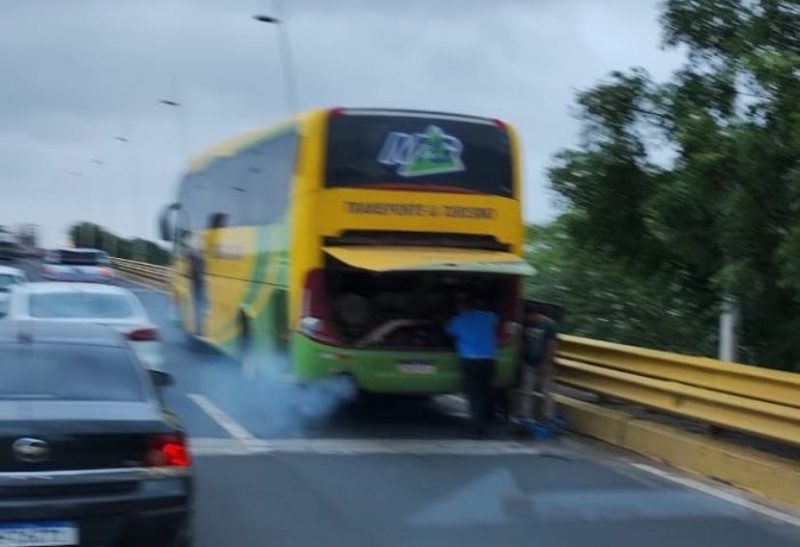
column 38, row 534
column 416, row 367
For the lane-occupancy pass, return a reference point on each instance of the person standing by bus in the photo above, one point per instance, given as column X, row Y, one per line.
column 197, row 273
column 474, row 330
column 535, row 381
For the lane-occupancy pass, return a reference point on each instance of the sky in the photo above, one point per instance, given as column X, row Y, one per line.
column 84, row 136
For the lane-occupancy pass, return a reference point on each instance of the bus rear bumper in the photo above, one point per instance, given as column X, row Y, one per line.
column 390, row 371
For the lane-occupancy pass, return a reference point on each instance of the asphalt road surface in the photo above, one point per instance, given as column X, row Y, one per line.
column 277, row 464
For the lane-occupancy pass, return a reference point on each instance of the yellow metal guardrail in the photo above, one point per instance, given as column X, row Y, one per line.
column 744, row 380
column 744, row 398
column 753, row 400
column 143, row 271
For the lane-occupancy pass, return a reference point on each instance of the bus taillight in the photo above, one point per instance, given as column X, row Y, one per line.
column 315, row 319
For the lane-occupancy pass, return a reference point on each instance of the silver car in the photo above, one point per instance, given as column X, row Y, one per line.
column 78, row 264
column 107, row 305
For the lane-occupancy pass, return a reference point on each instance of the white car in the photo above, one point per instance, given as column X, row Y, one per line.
column 107, row 305
column 82, row 265
column 9, row 278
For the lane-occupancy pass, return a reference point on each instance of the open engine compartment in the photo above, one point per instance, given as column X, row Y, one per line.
column 408, row 310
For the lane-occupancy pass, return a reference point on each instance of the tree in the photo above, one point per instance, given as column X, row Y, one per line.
column 86, row 234
column 694, row 183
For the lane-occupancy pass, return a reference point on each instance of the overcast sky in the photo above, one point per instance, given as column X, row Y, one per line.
column 77, row 73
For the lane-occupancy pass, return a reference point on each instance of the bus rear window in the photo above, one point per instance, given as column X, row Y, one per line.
column 410, row 151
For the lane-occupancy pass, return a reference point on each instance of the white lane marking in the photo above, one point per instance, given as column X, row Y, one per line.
column 356, row 447
column 227, row 423
column 722, row 494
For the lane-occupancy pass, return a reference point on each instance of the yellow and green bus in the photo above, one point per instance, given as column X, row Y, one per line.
column 344, row 236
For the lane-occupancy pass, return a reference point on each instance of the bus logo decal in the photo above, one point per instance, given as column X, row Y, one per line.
column 417, row 154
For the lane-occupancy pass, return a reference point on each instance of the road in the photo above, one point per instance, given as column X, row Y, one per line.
column 281, row 465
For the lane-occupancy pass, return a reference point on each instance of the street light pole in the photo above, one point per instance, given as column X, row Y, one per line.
column 96, row 191
column 82, row 228
column 137, row 251
column 285, row 52
column 180, row 120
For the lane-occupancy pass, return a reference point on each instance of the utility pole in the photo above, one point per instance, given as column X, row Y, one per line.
column 285, row 52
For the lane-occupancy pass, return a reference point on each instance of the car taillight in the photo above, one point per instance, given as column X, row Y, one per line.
column 143, row 335
column 105, row 272
column 168, row 450
column 315, row 315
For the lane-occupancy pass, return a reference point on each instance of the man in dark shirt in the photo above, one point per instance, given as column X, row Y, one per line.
column 539, row 344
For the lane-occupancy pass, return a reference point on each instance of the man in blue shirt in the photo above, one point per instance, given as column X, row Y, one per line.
column 474, row 331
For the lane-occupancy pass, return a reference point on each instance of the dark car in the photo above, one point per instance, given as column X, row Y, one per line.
column 88, row 453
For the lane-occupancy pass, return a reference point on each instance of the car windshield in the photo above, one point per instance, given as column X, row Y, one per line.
column 65, row 305
column 6, row 281
column 69, row 372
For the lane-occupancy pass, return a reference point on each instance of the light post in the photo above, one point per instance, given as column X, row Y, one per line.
column 138, row 251
column 95, row 186
column 81, row 229
column 181, row 124
column 284, row 49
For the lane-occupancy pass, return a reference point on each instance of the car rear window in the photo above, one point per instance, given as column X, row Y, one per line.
column 69, row 372
column 66, row 305
column 79, row 258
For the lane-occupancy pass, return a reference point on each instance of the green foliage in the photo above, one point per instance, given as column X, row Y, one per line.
column 604, row 300
column 718, row 216
column 86, row 234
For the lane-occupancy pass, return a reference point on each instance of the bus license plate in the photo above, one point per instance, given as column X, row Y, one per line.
column 416, row 367
column 38, row 534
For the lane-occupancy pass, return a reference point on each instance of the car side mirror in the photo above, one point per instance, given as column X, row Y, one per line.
column 161, row 378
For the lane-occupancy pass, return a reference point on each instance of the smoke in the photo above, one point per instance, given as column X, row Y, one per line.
column 262, row 392
column 318, row 400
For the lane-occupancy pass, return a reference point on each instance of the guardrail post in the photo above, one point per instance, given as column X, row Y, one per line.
column 728, row 323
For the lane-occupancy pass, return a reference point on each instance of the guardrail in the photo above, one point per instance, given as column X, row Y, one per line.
column 753, row 400
column 143, row 271
column 757, row 401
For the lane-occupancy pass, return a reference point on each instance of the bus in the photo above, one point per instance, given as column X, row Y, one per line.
column 344, row 237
